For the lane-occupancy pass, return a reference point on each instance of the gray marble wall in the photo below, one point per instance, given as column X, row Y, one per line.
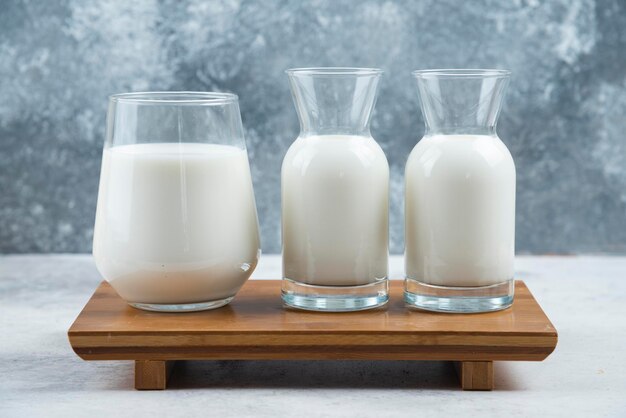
column 564, row 118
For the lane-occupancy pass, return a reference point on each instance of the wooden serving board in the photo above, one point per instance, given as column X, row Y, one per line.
column 256, row 326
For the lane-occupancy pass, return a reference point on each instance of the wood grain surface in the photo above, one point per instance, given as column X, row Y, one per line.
column 475, row 375
column 255, row 325
column 152, row 374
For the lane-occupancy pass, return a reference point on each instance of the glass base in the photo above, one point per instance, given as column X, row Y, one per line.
column 459, row 299
column 182, row 307
column 335, row 298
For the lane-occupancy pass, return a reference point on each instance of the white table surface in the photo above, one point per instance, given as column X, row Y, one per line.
column 585, row 297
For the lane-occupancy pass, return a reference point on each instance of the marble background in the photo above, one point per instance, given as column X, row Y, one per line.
column 564, row 118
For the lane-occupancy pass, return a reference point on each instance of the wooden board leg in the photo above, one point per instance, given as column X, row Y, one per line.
column 475, row 375
column 152, row 374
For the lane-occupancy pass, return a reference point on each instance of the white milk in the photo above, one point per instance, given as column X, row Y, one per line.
column 335, row 211
column 460, row 211
column 176, row 222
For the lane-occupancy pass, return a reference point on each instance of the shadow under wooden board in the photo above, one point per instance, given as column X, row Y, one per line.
column 255, row 326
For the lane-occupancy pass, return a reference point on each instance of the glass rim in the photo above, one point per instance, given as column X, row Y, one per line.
column 462, row 73
column 334, row 71
column 175, row 98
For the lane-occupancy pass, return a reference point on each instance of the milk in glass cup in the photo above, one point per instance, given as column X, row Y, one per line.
column 176, row 224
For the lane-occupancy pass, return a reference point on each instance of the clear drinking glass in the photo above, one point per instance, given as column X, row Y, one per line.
column 460, row 196
column 176, row 225
column 335, row 195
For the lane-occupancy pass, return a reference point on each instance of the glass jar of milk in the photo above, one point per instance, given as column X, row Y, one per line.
column 335, row 195
column 176, row 223
column 460, row 196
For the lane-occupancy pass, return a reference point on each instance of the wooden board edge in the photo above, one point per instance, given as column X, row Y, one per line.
column 72, row 332
column 313, row 353
column 554, row 333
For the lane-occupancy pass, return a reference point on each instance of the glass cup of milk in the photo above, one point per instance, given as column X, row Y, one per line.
column 176, row 225
column 335, row 180
column 460, row 196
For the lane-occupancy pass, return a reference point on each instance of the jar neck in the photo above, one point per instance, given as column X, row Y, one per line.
column 461, row 101
column 334, row 100
column 459, row 130
column 333, row 130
